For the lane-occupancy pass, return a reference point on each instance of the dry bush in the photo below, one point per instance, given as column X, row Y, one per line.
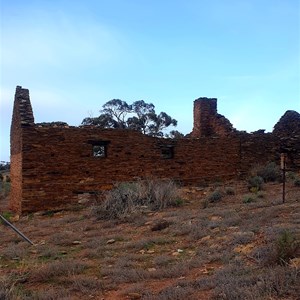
column 12, row 288
column 171, row 271
column 241, row 238
column 194, row 229
column 63, row 238
column 45, row 252
column 281, row 246
column 171, row 293
column 50, row 294
column 237, row 281
column 200, row 284
column 5, row 288
column 215, row 196
column 148, row 243
column 56, row 269
column 125, row 275
column 270, row 172
column 163, row 260
column 229, row 191
column 15, row 251
column 297, row 182
column 255, row 183
column 128, row 198
column 85, row 284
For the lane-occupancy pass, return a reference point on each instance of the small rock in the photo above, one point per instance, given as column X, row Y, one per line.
column 111, row 241
column 150, row 251
column 233, row 227
column 76, row 243
column 15, row 218
column 259, row 283
column 83, row 201
column 206, row 238
column 179, row 250
column 134, row 296
column 151, row 269
column 295, row 262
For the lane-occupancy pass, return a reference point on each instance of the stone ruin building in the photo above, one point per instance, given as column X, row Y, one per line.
column 53, row 165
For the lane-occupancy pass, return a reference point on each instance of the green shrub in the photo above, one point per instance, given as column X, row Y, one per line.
column 297, row 182
column 270, row 173
column 179, row 202
column 7, row 215
column 205, row 203
column 260, row 194
column 4, row 188
column 215, row 196
column 255, row 183
column 286, row 246
column 229, row 191
column 248, row 199
column 291, row 175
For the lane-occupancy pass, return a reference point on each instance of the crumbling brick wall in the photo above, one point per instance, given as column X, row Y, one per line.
column 287, row 132
column 207, row 122
column 22, row 118
column 52, row 165
column 58, row 163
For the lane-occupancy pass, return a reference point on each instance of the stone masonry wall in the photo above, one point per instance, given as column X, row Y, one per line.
column 58, row 163
column 207, row 122
column 22, row 117
column 53, row 166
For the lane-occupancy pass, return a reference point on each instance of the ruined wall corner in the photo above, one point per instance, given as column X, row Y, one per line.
column 22, row 117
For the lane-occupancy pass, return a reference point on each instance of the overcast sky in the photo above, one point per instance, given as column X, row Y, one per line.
column 74, row 56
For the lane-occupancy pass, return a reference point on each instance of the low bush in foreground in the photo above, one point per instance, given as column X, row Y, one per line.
column 255, row 184
column 270, row 172
column 242, row 282
column 215, row 196
column 128, row 198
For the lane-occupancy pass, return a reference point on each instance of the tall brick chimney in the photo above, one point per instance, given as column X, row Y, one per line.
column 204, row 109
column 207, row 122
column 22, row 116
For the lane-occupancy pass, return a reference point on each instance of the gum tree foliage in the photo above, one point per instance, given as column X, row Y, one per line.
column 139, row 115
column 4, row 165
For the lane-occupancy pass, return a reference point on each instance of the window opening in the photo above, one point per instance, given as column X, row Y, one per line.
column 99, row 150
column 167, row 152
